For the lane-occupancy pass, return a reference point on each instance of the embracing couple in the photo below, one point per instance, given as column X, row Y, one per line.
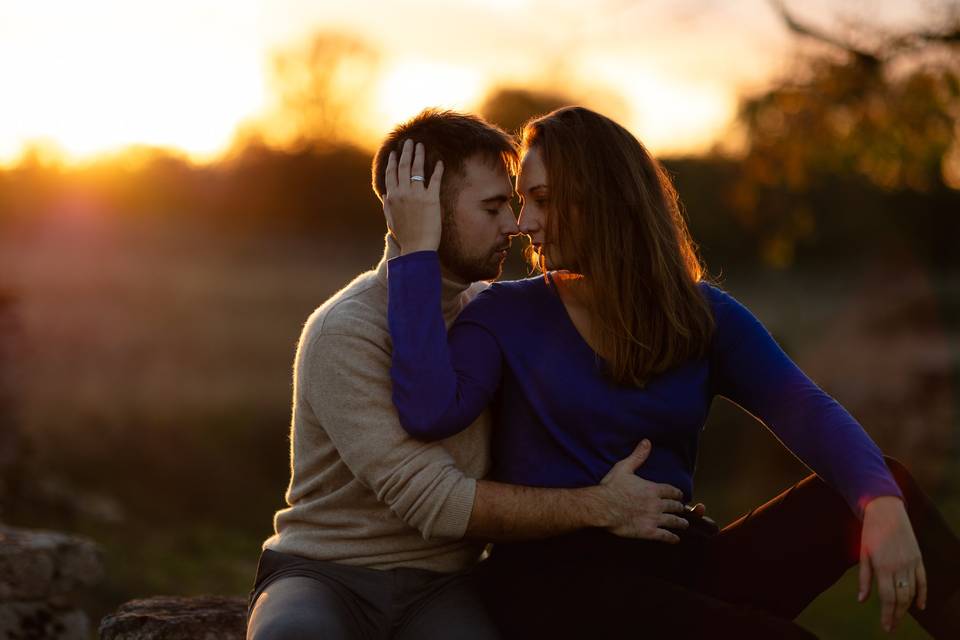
column 558, row 417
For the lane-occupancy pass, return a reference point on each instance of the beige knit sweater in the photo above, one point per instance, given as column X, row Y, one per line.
column 362, row 492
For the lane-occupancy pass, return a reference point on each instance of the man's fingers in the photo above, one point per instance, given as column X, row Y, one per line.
column 669, row 491
column 418, row 154
column 391, row 175
column 435, row 178
column 674, row 522
column 665, row 536
column 638, row 457
column 921, row 586
column 671, row 506
column 403, row 171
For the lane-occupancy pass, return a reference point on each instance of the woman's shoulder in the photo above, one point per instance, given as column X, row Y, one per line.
column 721, row 302
column 504, row 296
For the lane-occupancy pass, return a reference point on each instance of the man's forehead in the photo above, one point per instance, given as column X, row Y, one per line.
column 483, row 173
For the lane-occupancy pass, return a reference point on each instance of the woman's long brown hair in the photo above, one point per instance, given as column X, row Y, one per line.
column 615, row 216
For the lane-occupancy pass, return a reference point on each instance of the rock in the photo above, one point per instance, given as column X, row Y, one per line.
column 178, row 618
column 38, row 564
column 42, row 621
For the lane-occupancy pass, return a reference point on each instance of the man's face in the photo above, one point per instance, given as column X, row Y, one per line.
column 476, row 233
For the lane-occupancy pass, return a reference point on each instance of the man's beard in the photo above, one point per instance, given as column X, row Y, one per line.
column 466, row 267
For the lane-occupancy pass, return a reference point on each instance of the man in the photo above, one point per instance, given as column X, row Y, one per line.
column 381, row 530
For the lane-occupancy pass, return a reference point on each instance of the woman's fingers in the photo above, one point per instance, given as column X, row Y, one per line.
column 435, row 178
column 888, row 599
column 865, row 577
column 905, row 596
column 418, row 153
column 921, row 586
column 403, row 171
column 391, row 176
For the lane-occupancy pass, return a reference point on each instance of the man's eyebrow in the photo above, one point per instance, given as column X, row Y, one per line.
column 499, row 198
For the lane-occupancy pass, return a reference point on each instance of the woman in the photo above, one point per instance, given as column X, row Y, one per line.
column 623, row 339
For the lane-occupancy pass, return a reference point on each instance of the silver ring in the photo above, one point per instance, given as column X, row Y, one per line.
column 417, row 179
column 902, row 583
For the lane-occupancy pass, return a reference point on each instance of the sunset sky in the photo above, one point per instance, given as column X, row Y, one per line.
column 94, row 76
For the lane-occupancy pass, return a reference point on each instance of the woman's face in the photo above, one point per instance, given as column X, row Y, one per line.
column 534, row 195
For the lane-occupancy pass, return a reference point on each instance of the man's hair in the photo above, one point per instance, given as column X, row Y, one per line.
column 451, row 137
column 616, row 217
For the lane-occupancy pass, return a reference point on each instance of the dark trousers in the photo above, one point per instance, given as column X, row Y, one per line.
column 748, row 581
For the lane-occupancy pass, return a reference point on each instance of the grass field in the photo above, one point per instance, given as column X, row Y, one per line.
column 153, row 382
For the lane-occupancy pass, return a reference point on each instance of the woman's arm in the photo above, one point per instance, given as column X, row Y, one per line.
column 438, row 389
column 441, row 383
column 750, row 368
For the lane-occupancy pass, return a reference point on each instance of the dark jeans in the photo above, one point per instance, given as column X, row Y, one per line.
column 296, row 598
column 749, row 580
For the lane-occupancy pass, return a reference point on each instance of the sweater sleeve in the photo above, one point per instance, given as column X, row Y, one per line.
column 345, row 383
column 750, row 369
column 441, row 383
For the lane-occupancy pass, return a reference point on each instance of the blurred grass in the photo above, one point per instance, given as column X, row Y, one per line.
column 156, row 373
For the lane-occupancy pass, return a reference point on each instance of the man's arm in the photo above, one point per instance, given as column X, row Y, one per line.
column 344, row 378
column 623, row 503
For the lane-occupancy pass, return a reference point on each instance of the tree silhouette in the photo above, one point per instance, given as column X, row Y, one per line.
column 885, row 113
column 511, row 107
column 319, row 84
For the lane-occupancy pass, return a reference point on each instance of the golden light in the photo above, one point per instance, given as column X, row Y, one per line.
column 105, row 75
column 410, row 86
column 669, row 115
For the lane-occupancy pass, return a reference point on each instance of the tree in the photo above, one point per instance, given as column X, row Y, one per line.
column 887, row 113
column 319, row 85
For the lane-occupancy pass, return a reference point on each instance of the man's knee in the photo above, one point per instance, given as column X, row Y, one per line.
column 299, row 608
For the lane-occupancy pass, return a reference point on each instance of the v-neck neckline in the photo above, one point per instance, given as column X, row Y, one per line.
column 554, row 292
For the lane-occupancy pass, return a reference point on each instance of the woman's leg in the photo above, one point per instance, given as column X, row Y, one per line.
column 594, row 585
column 782, row 555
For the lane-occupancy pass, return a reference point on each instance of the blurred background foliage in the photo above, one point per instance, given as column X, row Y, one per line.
column 150, row 306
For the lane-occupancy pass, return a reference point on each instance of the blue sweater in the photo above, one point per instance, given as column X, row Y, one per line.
column 560, row 422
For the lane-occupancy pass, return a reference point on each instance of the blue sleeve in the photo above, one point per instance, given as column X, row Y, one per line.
column 750, row 369
column 441, row 382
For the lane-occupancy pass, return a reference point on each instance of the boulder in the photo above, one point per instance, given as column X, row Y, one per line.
column 39, row 565
column 178, row 618
column 42, row 621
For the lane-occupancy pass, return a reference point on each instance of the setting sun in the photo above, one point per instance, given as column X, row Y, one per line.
column 410, row 86
column 165, row 78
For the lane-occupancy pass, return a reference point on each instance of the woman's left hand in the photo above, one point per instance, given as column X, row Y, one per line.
column 411, row 206
column 889, row 551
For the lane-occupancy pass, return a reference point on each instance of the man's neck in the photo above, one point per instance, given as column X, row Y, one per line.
column 451, row 286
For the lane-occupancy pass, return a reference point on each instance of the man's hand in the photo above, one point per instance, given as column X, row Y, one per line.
column 889, row 551
column 412, row 208
column 637, row 508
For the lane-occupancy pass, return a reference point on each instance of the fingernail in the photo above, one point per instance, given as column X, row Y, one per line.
column 645, row 443
column 860, row 597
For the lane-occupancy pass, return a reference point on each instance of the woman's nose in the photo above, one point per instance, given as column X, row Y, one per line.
column 527, row 223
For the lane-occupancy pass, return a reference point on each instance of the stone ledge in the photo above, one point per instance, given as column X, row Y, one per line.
column 36, row 564
column 42, row 621
column 178, row 618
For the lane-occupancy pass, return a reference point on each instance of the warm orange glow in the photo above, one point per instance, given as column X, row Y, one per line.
column 88, row 77
column 409, row 86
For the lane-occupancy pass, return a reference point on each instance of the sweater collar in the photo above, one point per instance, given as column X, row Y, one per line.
column 451, row 289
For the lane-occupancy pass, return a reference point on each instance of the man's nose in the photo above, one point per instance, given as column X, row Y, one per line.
column 509, row 224
column 527, row 224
